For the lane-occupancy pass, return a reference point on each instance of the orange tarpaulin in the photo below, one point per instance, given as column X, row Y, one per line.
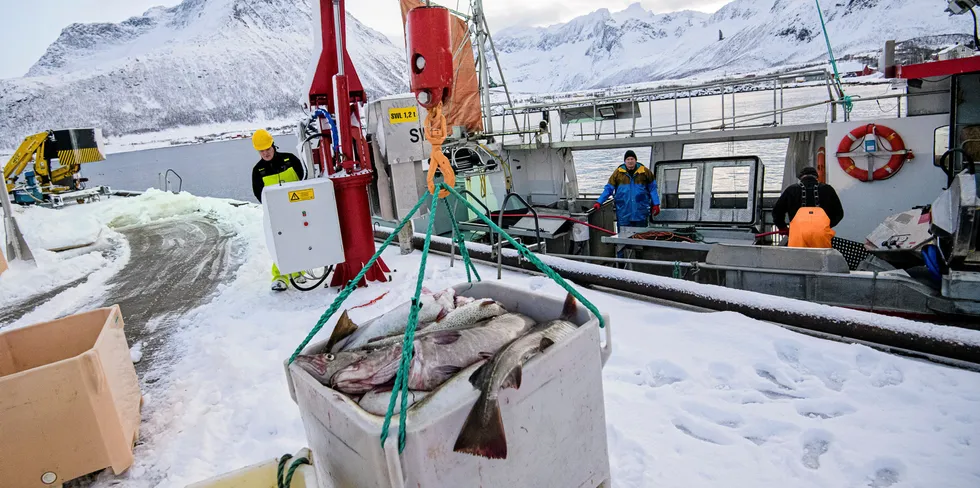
column 463, row 108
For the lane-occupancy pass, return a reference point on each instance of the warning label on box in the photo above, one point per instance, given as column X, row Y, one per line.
column 301, row 195
column 399, row 115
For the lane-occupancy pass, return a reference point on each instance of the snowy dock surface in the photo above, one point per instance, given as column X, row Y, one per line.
column 692, row 399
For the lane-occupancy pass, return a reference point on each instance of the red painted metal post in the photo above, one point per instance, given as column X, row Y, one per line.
column 342, row 115
column 336, row 87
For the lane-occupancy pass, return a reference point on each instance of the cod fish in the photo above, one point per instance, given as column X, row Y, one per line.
column 483, row 431
column 468, row 315
column 434, row 306
column 437, row 357
column 376, row 400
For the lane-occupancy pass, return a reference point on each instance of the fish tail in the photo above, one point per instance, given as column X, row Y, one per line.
column 483, row 436
column 344, row 328
column 570, row 308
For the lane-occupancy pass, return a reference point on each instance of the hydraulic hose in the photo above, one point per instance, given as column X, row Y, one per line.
column 334, row 132
column 976, row 38
column 315, row 285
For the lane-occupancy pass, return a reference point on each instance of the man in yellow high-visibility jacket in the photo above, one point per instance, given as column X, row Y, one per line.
column 274, row 168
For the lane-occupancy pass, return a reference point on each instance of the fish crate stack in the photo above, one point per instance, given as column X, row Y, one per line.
column 554, row 423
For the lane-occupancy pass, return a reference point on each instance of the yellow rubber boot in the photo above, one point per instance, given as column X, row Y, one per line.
column 279, row 282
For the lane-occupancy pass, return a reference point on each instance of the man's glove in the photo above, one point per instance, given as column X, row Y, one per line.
column 596, row 205
column 655, row 210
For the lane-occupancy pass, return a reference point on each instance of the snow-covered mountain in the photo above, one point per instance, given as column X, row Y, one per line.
column 604, row 49
column 216, row 61
column 202, row 61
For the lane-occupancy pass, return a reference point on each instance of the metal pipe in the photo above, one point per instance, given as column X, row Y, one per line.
column 500, row 223
column 481, row 50
column 675, row 115
column 746, row 118
column 478, row 201
column 690, row 113
column 774, row 107
column 722, row 107
column 661, row 91
column 500, row 70
column 853, row 327
column 733, row 108
column 782, row 103
column 338, row 28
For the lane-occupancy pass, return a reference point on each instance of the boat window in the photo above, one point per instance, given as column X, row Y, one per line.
column 730, row 187
column 941, row 144
column 679, row 186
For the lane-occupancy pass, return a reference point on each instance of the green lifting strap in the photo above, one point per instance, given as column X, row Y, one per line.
column 408, row 345
column 848, row 103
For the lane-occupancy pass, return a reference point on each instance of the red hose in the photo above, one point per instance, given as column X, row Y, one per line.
column 607, row 231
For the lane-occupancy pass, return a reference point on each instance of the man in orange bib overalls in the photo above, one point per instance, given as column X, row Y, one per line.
column 813, row 209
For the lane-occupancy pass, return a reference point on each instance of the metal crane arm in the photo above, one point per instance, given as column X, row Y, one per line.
column 31, row 148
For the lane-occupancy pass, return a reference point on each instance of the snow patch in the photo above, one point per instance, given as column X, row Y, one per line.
column 767, row 406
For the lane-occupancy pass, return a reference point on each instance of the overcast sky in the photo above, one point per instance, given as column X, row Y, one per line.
column 30, row 26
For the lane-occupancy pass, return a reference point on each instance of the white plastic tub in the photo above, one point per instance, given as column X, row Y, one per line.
column 555, row 423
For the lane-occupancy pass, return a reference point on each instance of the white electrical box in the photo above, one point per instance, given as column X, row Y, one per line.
column 302, row 228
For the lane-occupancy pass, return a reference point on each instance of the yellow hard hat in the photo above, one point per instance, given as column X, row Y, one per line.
column 261, row 140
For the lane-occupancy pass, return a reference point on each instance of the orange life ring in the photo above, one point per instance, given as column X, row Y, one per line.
column 878, row 131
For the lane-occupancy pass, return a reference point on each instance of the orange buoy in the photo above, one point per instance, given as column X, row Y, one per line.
column 821, row 165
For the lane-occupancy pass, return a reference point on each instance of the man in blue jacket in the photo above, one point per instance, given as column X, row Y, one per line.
column 635, row 191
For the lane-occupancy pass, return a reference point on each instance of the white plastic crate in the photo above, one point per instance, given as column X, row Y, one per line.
column 555, row 423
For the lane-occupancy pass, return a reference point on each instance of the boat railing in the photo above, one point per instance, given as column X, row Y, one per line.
column 165, row 184
column 500, row 224
column 713, row 107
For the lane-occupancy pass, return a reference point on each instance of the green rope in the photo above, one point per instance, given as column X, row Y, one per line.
column 458, row 238
column 401, row 377
column 848, row 103
column 677, row 269
column 288, row 480
column 530, row 257
column 353, row 283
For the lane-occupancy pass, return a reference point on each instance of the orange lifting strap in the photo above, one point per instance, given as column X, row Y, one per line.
column 435, row 133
